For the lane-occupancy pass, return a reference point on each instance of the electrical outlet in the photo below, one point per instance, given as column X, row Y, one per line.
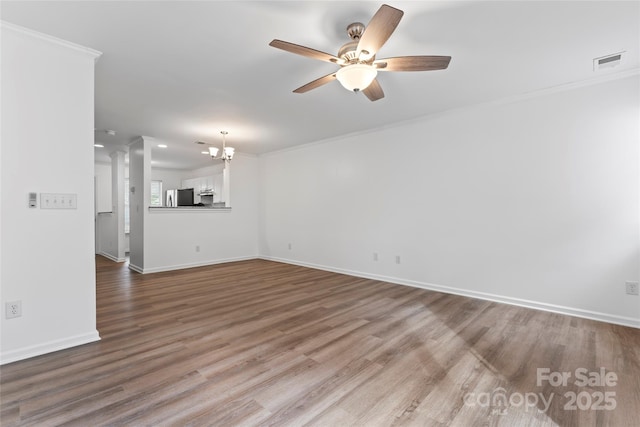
column 397, row 259
column 375, row 256
column 632, row 288
column 197, row 248
column 289, row 246
column 13, row 309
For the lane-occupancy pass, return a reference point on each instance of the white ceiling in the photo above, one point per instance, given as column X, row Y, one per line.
column 183, row 71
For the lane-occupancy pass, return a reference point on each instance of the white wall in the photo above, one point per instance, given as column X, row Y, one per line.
column 139, row 194
column 222, row 235
column 102, row 176
column 118, row 188
column 47, row 147
column 214, row 169
column 102, row 173
column 106, row 235
column 171, row 178
column 532, row 202
column 111, row 240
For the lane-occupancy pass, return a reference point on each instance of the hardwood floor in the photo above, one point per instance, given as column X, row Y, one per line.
column 264, row 343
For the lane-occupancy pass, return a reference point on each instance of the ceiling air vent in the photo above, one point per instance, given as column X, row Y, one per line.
column 609, row 61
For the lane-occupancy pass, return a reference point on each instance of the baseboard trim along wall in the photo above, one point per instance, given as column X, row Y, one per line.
column 188, row 265
column 111, row 257
column 47, row 347
column 135, row 268
column 569, row 311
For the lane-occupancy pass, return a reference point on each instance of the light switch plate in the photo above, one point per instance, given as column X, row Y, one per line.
column 58, row 201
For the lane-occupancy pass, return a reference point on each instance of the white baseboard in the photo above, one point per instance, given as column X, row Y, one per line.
column 111, row 257
column 189, row 265
column 569, row 311
column 48, row 347
column 135, row 268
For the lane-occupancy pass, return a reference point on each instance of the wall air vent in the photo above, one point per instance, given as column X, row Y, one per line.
column 609, row 61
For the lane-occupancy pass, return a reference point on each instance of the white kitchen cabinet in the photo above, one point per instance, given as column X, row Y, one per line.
column 202, row 184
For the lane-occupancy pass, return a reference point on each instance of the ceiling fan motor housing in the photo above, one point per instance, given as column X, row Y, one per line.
column 348, row 50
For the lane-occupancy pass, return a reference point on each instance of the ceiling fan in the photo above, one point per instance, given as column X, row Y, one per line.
column 357, row 58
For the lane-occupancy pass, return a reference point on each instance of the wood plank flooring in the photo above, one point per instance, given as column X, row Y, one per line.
column 264, row 343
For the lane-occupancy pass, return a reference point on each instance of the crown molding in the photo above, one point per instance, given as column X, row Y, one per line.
column 473, row 107
column 95, row 54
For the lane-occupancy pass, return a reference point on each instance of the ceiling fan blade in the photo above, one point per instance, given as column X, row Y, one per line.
column 316, row 83
column 380, row 28
column 374, row 91
column 412, row 63
column 305, row 51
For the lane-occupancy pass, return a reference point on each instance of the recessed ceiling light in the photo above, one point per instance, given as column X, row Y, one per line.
column 98, row 145
column 162, row 145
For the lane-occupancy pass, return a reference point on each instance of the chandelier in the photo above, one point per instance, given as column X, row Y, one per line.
column 227, row 152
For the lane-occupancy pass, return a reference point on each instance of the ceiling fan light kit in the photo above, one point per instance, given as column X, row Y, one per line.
column 357, row 58
column 356, row 77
